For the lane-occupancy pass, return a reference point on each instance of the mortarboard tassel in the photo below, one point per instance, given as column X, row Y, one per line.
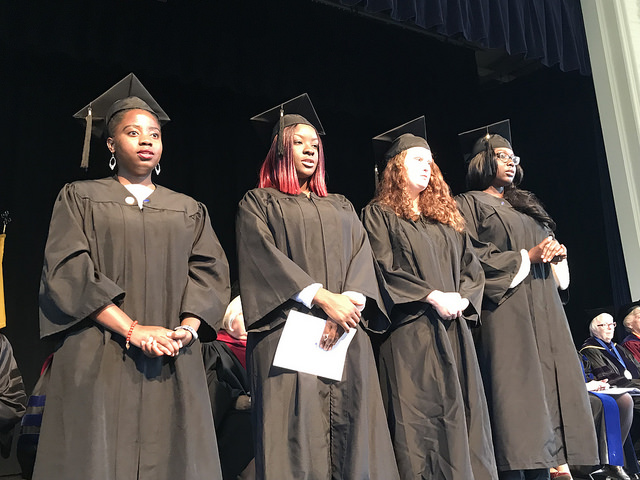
column 87, row 140
column 280, row 133
column 487, row 144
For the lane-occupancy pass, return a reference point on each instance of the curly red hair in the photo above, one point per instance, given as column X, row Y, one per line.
column 435, row 202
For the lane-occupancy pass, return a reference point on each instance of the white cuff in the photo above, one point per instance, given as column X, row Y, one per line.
column 305, row 296
column 525, row 268
column 561, row 274
column 358, row 298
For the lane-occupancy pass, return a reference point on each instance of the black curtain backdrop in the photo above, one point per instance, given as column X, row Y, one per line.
column 212, row 65
column 549, row 30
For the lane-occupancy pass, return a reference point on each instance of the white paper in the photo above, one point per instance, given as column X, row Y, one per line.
column 298, row 348
column 618, row 391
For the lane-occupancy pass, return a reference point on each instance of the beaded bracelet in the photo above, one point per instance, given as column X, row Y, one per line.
column 191, row 330
column 127, row 344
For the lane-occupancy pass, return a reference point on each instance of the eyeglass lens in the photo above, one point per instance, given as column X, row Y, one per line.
column 505, row 157
column 608, row 325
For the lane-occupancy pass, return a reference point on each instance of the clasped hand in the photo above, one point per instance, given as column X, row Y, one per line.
column 598, row 385
column 157, row 341
column 342, row 312
column 548, row 251
column 449, row 305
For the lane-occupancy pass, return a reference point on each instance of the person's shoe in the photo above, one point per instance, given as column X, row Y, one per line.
column 610, row 472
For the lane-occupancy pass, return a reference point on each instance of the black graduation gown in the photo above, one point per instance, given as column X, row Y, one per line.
column 538, row 405
column 227, row 380
column 632, row 344
column 13, row 399
column 603, row 364
column 600, row 364
column 429, row 372
column 112, row 413
column 307, row 427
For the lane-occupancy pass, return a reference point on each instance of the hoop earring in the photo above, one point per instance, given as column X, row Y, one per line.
column 112, row 162
column 157, row 169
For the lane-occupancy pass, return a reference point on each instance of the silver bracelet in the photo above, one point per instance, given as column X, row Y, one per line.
column 191, row 330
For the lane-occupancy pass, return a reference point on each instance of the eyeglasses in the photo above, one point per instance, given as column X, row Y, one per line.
column 608, row 325
column 505, row 158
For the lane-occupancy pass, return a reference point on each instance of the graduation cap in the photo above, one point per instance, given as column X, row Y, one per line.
column 593, row 313
column 128, row 93
column 489, row 137
column 292, row 112
column 390, row 143
column 626, row 309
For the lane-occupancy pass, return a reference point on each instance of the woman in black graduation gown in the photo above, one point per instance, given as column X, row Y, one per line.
column 13, row 399
column 131, row 269
column 534, row 385
column 429, row 372
column 302, row 249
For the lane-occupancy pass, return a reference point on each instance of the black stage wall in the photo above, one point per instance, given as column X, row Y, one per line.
column 212, row 65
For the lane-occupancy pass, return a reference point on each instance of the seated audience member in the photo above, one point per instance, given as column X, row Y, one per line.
column 605, row 359
column 13, row 399
column 233, row 331
column 612, row 416
column 29, row 436
column 629, row 316
column 224, row 361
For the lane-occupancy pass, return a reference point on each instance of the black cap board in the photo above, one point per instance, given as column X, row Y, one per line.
column 297, row 110
column 492, row 136
column 128, row 93
column 626, row 310
column 592, row 313
column 390, row 143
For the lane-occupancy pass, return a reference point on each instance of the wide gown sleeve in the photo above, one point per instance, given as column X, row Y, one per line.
column 13, row 399
column 207, row 292
column 71, row 288
column 400, row 285
column 404, row 286
column 471, row 280
column 362, row 277
column 268, row 278
column 595, row 364
column 500, row 267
